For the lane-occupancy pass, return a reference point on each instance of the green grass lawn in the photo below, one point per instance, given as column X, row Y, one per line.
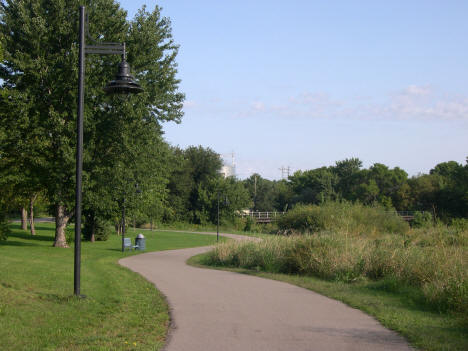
column 401, row 311
column 121, row 311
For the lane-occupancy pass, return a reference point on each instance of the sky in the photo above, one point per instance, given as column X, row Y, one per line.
column 303, row 84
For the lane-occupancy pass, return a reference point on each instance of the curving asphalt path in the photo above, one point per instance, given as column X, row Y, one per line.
column 215, row 310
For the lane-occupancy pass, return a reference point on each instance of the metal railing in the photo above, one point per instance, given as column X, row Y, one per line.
column 264, row 216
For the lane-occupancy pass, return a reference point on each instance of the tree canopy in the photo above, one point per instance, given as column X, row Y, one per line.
column 123, row 139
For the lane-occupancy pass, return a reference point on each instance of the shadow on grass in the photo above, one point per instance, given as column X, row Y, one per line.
column 15, row 243
column 38, row 226
column 28, row 236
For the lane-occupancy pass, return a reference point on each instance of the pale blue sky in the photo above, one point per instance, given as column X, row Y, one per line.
column 305, row 83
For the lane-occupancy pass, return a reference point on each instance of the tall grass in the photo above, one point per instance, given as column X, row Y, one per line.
column 434, row 262
column 343, row 217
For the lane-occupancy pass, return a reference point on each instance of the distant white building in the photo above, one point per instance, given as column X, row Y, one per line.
column 229, row 168
column 228, row 171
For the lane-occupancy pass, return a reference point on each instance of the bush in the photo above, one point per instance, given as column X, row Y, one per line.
column 422, row 220
column 344, row 217
column 70, row 234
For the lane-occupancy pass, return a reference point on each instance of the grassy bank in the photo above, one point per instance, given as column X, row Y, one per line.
column 122, row 311
column 414, row 275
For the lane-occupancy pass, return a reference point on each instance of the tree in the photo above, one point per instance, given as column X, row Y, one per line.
column 314, row 186
column 40, row 67
column 283, row 195
column 452, row 195
column 383, row 185
column 348, row 177
column 192, row 183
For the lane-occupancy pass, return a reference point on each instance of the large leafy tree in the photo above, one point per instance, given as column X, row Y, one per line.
column 452, row 194
column 348, row 177
column 40, row 69
column 194, row 184
column 203, row 166
column 314, row 186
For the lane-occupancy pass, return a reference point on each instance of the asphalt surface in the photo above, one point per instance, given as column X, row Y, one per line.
column 215, row 310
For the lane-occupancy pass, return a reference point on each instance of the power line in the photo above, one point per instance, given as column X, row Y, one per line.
column 285, row 170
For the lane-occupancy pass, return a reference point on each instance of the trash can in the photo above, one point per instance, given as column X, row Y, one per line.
column 140, row 243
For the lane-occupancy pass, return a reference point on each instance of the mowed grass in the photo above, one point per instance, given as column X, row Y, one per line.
column 121, row 311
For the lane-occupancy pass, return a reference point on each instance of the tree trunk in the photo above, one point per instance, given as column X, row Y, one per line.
column 151, row 225
column 32, row 200
column 93, row 231
column 24, row 219
column 61, row 220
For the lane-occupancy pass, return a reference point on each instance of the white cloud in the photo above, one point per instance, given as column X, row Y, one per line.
column 416, row 90
column 258, row 106
column 413, row 102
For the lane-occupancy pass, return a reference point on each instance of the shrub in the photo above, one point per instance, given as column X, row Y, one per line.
column 422, row 220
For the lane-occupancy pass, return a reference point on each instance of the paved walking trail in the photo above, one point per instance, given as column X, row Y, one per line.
column 214, row 310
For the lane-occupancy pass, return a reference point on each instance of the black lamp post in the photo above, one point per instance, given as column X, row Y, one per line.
column 123, row 84
column 137, row 191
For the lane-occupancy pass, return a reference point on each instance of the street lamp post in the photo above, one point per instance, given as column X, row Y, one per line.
column 217, row 224
column 137, row 191
column 123, row 84
column 123, row 224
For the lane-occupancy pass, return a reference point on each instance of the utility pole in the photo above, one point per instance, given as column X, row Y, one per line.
column 255, row 192
column 285, row 170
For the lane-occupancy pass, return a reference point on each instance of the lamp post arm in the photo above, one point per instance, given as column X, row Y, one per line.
column 109, row 48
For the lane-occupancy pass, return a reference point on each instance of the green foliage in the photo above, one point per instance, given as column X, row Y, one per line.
column 97, row 227
column 268, row 195
column 314, row 186
column 460, row 224
column 249, row 224
column 4, row 228
column 422, row 220
column 344, row 217
column 443, row 192
column 195, row 184
column 122, row 138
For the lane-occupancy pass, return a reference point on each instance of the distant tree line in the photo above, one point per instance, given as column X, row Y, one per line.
column 443, row 192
